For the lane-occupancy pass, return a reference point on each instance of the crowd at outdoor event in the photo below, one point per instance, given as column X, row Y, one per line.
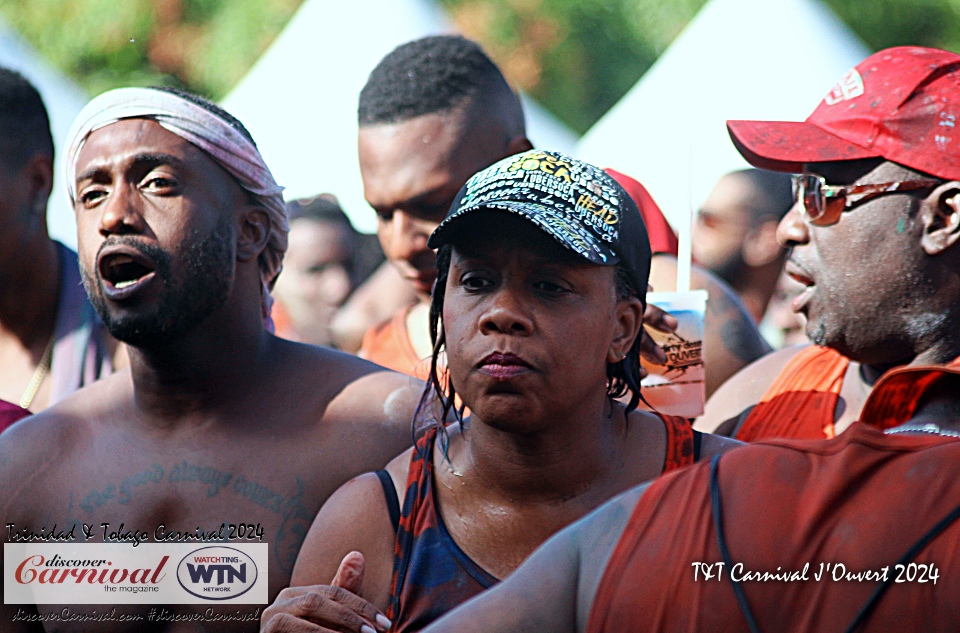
column 442, row 427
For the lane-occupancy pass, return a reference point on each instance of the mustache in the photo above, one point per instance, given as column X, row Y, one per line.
column 160, row 258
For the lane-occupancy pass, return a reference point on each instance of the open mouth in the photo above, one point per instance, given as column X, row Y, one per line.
column 799, row 275
column 123, row 272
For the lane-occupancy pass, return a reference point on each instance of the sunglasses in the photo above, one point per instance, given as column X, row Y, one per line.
column 823, row 203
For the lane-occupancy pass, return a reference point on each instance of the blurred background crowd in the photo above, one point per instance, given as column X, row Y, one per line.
column 602, row 79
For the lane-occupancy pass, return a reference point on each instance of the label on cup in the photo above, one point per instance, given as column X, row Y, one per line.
column 678, row 387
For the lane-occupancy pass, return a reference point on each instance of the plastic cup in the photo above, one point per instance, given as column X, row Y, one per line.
column 678, row 387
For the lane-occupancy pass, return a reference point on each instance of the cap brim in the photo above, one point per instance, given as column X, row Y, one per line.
column 788, row 145
column 556, row 224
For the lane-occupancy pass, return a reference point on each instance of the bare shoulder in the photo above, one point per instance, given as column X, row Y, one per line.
column 351, row 388
column 744, row 389
column 33, row 451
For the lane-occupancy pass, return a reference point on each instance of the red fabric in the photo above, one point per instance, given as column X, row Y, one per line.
column 662, row 237
column 801, row 403
column 10, row 413
column 679, row 442
column 802, row 399
column 388, row 345
column 861, row 499
column 898, row 104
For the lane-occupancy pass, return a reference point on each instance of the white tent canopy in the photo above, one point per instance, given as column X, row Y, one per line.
column 63, row 100
column 737, row 59
column 300, row 99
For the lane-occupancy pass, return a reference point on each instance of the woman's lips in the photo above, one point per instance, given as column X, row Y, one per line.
column 504, row 365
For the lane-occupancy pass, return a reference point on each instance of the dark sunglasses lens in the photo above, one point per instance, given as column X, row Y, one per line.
column 812, row 197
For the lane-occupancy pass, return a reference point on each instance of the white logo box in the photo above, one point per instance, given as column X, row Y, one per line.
column 150, row 573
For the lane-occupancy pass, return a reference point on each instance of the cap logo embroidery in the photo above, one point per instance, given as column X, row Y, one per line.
column 849, row 87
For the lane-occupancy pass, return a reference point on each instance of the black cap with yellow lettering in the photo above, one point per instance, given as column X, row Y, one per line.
column 574, row 202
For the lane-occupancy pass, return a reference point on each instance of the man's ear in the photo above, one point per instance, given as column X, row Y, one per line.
column 629, row 321
column 38, row 172
column 253, row 233
column 940, row 216
column 760, row 246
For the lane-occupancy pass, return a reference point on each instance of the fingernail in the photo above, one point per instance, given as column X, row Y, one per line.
column 383, row 621
column 366, row 628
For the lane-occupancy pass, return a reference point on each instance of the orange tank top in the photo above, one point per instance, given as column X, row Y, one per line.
column 802, row 400
column 388, row 345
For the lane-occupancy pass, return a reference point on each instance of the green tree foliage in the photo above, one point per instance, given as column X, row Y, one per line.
column 203, row 45
column 578, row 57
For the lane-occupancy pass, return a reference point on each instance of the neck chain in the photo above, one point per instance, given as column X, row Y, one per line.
column 929, row 427
column 38, row 374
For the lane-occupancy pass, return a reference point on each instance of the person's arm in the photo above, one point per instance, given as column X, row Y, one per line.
column 553, row 591
column 354, row 519
column 731, row 339
column 726, row 409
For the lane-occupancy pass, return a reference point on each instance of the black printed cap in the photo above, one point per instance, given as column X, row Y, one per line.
column 574, row 202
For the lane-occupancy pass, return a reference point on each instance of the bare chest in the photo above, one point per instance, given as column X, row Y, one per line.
column 248, row 494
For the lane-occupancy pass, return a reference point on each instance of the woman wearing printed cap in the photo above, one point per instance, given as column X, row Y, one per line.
column 543, row 264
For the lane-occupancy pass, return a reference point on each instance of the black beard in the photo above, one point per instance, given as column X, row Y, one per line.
column 208, row 272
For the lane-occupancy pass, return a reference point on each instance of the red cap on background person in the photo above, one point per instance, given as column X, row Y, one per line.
column 901, row 104
column 662, row 237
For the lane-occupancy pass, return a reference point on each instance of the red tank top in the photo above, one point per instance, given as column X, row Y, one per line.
column 802, row 401
column 431, row 574
column 838, row 501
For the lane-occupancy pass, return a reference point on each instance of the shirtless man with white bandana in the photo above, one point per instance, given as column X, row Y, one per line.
column 181, row 234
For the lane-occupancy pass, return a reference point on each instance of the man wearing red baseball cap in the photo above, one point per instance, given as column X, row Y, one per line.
column 873, row 237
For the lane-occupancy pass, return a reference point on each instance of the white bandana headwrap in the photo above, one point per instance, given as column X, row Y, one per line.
column 233, row 151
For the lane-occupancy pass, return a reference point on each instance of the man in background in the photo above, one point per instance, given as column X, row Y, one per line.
column 51, row 340
column 735, row 234
column 326, row 259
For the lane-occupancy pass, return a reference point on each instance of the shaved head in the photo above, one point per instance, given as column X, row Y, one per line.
column 443, row 74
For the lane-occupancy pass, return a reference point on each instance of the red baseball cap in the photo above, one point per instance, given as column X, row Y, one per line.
column 901, row 104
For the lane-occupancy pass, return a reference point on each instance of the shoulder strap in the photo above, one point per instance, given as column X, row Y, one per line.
column 716, row 508
column 908, row 556
column 390, row 493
